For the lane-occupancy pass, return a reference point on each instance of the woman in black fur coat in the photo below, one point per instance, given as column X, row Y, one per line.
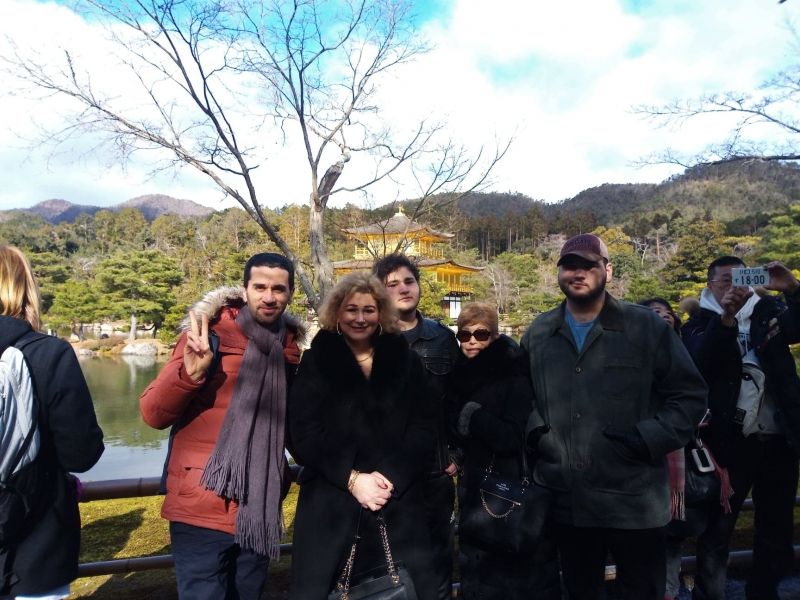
column 362, row 428
column 490, row 400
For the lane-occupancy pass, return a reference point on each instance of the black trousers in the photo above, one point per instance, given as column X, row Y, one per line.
column 210, row 566
column 640, row 556
column 768, row 467
column 493, row 576
column 439, row 495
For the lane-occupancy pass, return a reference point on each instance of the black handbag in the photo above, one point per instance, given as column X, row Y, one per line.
column 505, row 514
column 391, row 582
column 702, row 481
column 701, row 493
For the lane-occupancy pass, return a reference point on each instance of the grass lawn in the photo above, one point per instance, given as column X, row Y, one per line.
column 133, row 527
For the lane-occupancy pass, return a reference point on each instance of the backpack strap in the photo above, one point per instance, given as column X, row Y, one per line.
column 216, row 355
column 24, row 340
column 28, row 338
column 22, row 449
column 20, row 344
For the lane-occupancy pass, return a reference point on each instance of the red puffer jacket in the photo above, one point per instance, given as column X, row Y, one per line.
column 201, row 406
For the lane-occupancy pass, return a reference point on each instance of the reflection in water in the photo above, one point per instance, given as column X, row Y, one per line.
column 136, row 364
column 133, row 449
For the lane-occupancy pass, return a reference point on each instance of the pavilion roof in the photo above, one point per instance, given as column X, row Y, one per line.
column 366, row 264
column 397, row 223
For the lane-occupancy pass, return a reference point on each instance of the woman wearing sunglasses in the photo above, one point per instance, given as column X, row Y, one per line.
column 489, row 403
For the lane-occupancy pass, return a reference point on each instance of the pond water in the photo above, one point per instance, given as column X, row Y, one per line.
column 132, row 448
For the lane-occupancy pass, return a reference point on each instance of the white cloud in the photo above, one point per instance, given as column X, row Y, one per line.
column 560, row 77
column 511, row 29
column 570, row 86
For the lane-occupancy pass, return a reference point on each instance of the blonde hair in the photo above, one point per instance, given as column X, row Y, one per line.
column 476, row 313
column 19, row 294
column 358, row 282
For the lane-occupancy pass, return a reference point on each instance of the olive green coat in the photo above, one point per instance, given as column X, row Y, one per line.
column 633, row 372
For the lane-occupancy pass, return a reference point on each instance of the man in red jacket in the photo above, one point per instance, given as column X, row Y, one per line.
column 224, row 392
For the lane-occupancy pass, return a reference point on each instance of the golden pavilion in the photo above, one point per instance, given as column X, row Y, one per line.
column 427, row 246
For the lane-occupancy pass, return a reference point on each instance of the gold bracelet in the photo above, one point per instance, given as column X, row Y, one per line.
column 352, row 481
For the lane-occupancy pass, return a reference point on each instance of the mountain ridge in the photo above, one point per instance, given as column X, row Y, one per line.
column 726, row 192
column 58, row 210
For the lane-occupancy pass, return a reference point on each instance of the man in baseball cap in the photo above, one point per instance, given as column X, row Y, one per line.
column 585, row 245
column 614, row 391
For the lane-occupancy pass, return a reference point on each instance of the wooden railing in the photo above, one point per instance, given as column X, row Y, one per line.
column 455, row 288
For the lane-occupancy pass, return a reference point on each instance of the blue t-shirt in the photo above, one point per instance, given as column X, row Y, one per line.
column 579, row 330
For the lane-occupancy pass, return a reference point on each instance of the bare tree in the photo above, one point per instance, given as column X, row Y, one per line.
column 503, row 285
column 215, row 76
column 774, row 105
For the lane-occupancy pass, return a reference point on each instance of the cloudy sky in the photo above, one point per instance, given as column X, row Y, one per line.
column 560, row 77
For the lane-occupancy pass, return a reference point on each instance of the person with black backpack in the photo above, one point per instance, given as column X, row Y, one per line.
column 48, row 429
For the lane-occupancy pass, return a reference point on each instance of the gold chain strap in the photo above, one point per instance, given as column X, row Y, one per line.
column 489, row 510
column 514, row 504
column 387, row 551
column 343, row 585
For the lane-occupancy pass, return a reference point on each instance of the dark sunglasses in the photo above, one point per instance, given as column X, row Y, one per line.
column 573, row 263
column 480, row 335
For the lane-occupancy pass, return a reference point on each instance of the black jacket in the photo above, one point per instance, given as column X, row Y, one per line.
column 632, row 373
column 496, row 380
column 715, row 349
column 71, row 441
column 438, row 350
column 339, row 421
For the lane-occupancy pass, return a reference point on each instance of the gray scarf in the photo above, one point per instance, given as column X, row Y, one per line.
column 248, row 460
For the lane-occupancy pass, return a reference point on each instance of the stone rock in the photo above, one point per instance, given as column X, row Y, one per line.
column 140, row 349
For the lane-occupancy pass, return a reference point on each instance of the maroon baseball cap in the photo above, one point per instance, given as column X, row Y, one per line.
column 586, row 246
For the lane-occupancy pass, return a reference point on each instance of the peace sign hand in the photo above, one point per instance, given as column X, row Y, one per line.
column 197, row 353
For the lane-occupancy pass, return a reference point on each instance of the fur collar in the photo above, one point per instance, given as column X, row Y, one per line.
column 501, row 359
column 233, row 298
column 337, row 364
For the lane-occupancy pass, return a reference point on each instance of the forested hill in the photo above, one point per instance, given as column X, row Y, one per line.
column 122, row 262
column 150, row 205
column 154, row 205
column 726, row 192
column 53, row 211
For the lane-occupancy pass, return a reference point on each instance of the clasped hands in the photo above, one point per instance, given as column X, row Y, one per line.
column 371, row 490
